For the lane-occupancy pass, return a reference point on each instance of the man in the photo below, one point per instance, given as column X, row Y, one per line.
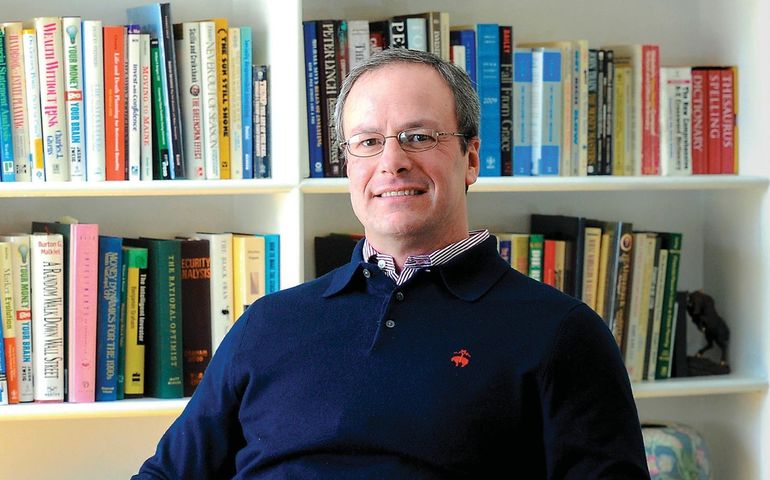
column 426, row 356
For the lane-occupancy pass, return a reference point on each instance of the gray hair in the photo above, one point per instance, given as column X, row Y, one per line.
column 465, row 96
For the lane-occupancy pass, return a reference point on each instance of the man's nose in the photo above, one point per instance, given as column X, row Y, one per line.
column 393, row 158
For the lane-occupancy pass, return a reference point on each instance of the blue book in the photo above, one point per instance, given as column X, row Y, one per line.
column 272, row 262
column 489, row 97
column 312, row 91
column 155, row 20
column 522, row 112
column 466, row 38
column 3, row 379
column 550, row 154
column 262, row 162
column 6, row 136
column 108, row 317
column 247, row 103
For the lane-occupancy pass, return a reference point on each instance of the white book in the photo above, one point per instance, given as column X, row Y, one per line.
column 536, row 120
column 145, row 86
column 20, row 262
column 51, row 76
column 73, row 95
column 210, row 124
column 187, row 39
column 236, row 112
column 32, row 83
column 675, row 121
column 639, row 307
column 458, row 56
column 222, row 307
column 17, row 96
column 93, row 85
column 133, row 105
column 417, row 34
column 358, row 42
column 47, row 268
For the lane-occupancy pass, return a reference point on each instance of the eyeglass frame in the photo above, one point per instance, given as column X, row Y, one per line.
column 436, row 136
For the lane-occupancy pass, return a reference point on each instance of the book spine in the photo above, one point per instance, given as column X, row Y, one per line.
column 32, row 84
column 187, row 38
column 550, row 156
column 312, row 93
column 164, row 377
column 136, row 278
column 579, row 108
column 174, row 124
column 536, row 245
column 236, row 106
column 506, row 100
column 619, row 310
column 489, row 97
column 8, row 173
column 398, row 36
column 609, row 120
column 47, row 268
column 714, row 105
column 145, row 105
column 263, row 163
column 133, row 151
column 196, row 300
column 549, row 258
column 247, row 103
column 17, row 91
column 329, row 80
column 620, row 128
column 221, row 254
column 417, row 34
column 358, row 42
column 650, row 110
column 591, row 252
column 108, row 318
column 592, row 166
column 699, row 128
column 114, row 102
column 727, row 82
column 522, row 110
column 223, row 97
column 273, row 263
column 8, row 322
column 49, row 51
column 73, row 95
column 343, row 62
column 81, row 328
column 93, row 100
column 536, row 118
column 675, row 118
column 3, row 378
column 162, row 162
column 210, row 122
column 666, row 342
column 120, row 387
column 565, row 161
column 656, row 301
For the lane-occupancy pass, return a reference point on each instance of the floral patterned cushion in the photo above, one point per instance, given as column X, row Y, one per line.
column 675, row 451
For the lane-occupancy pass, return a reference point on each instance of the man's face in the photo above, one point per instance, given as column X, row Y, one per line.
column 429, row 210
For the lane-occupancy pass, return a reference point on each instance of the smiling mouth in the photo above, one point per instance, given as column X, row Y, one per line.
column 400, row 193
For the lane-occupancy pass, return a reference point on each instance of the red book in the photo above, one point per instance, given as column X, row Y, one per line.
column 699, row 130
column 114, row 102
column 549, row 263
column 650, row 110
column 714, row 122
column 729, row 160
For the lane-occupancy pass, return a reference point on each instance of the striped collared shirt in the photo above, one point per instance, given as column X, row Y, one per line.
column 417, row 262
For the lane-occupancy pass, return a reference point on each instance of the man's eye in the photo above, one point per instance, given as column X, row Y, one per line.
column 369, row 142
column 418, row 138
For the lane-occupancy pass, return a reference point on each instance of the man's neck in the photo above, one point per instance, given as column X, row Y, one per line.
column 401, row 251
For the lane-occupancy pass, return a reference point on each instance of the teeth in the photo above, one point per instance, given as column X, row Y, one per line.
column 400, row 193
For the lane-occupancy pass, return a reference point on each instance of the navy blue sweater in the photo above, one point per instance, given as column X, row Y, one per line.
column 467, row 368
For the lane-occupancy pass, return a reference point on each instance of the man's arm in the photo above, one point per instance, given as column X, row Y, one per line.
column 203, row 441
column 591, row 426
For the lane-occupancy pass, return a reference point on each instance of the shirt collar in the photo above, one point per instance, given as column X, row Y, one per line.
column 467, row 276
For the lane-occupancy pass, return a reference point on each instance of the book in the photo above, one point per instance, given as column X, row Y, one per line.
column 506, row 100
column 163, row 321
column 328, row 70
column 262, row 159
column 161, row 166
column 699, row 121
column 155, row 20
column 47, row 286
column 51, row 79
column 223, row 96
column 247, row 103
column 466, row 36
column 570, row 229
column 8, row 322
column 72, row 49
column 145, row 102
column 673, row 243
column 134, row 373
column 622, row 133
column 249, row 276
column 93, row 101
column 188, row 48
column 488, row 51
column 675, row 121
column 552, row 127
column 7, row 163
column 221, row 289
column 17, row 98
column 196, row 305
column 108, row 317
column 645, row 251
column 729, row 98
column 679, row 367
column 358, row 42
column 235, row 101
column 592, row 242
column 522, row 112
column 536, row 244
column 115, row 102
column 714, row 120
column 22, row 310
column 133, row 107
column 3, row 380
column 313, row 99
column 272, row 262
column 209, row 99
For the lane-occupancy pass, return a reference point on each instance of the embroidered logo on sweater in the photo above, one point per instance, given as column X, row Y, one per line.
column 461, row 358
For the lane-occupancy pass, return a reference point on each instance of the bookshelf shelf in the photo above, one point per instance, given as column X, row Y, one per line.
column 576, row 184
column 144, row 407
column 693, row 386
column 143, row 189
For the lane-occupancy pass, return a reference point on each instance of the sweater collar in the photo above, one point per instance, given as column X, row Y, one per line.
column 468, row 276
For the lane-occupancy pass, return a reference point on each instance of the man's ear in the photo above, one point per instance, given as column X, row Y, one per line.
column 472, row 172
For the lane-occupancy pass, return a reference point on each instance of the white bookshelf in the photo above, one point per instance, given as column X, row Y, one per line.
column 725, row 219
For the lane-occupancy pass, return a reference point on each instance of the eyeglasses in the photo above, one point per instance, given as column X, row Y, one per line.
column 369, row 144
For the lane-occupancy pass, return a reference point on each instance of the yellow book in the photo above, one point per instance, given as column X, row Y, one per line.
column 592, row 245
column 623, row 155
column 223, row 95
column 248, row 271
column 136, row 260
column 601, row 287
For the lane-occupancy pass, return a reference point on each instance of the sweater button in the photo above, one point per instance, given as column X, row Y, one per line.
column 400, row 296
column 367, row 273
column 390, row 323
